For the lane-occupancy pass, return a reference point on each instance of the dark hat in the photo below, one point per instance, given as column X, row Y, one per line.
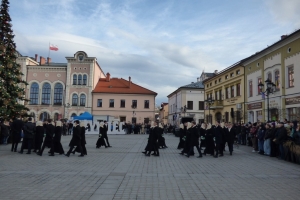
column 77, row 121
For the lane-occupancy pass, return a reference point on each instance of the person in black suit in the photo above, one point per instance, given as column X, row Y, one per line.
column 49, row 138
column 29, row 131
column 76, row 139
column 16, row 129
column 100, row 141
column 181, row 135
column 57, row 138
column 154, row 140
column 82, row 141
column 194, row 139
column 230, row 134
column 105, row 133
column 218, row 134
column 39, row 135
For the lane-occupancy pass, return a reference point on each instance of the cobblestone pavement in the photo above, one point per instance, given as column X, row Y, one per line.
column 123, row 172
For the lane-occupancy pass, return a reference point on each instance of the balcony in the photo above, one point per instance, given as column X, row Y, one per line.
column 217, row 104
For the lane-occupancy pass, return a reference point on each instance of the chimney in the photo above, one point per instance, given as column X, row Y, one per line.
column 36, row 57
column 48, row 60
column 129, row 81
column 107, row 77
column 42, row 60
column 216, row 71
column 283, row 36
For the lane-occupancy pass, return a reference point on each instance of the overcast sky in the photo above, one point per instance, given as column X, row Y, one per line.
column 162, row 45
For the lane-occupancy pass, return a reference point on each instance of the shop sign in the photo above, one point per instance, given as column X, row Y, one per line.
column 253, row 106
column 292, row 100
column 274, row 104
column 232, row 100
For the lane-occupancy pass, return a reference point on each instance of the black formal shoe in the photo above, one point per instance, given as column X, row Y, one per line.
column 21, row 152
column 215, row 156
column 147, row 155
column 109, row 146
column 68, row 155
column 156, row 154
column 199, row 157
column 38, row 154
column 34, row 151
column 144, row 152
column 28, row 153
column 73, row 152
column 187, row 156
column 97, row 147
column 106, row 146
column 153, row 154
column 80, row 155
column 51, row 154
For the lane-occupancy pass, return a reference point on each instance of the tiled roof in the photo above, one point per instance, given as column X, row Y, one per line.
column 120, row 86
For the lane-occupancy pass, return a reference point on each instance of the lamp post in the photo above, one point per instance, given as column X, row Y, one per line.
column 67, row 105
column 209, row 102
column 183, row 109
column 271, row 88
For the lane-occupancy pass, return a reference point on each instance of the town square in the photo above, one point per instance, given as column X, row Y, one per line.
column 149, row 99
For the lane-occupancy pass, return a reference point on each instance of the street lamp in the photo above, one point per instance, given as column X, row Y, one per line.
column 209, row 102
column 183, row 109
column 271, row 88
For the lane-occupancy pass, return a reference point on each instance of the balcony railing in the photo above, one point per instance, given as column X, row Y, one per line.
column 217, row 104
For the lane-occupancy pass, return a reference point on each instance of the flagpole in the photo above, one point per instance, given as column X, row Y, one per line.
column 48, row 53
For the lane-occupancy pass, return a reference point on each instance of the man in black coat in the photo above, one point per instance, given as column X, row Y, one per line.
column 29, row 131
column 194, row 139
column 76, row 139
column 105, row 133
column 230, row 133
column 154, row 140
column 218, row 133
column 16, row 129
column 48, row 141
column 281, row 137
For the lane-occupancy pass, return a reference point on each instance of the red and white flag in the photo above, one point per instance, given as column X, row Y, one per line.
column 53, row 47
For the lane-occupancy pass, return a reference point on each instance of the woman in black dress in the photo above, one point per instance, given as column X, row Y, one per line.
column 100, row 141
column 57, row 147
column 82, row 140
column 209, row 140
column 181, row 135
column 39, row 136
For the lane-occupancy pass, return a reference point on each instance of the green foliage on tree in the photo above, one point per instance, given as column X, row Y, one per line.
column 12, row 87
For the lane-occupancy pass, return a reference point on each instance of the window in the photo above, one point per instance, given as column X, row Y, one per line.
column 201, row 105
column 215, row 81
column 226, row 116
column 277, row 80
column 122, row 103
column 216, row 95
column 56, row 116
column 270, row 76
column 210, row 84
column 226, row 77
column 259, row 115
column 207, row 96
column 232, row 74
column 220, row 95
column 79, row 79
column 84, row 80
column 74, row 79
column 227, row 92
column 73, row 115
column 250, row 89
column 238, row 72
column 58, row 94
column 238, row 89
column 259, row 91
column 232, row 91
column 82, row 99
column 147, row 104
column 134, row 104
column 44, row 116
column 291, row 76
column 34, row 94
column 99, row 103
column 111, row 103
column 46, row 94
column 293, row 113
column 207, row 85
column 190, row 105
column 220, row 80
column 74, row 100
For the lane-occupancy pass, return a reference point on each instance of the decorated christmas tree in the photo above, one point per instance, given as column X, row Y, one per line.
column 12, row 87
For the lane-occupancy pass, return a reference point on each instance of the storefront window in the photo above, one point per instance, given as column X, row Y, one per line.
column 259, row 115
column 293, row 114
column 277, row 80
column 274, row 114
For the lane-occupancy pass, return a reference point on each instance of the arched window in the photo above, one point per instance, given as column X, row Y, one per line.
column 84, row 80
column 56, row 116
column 46, row 94
column 270, row 76
column 277, row 80
column 82, row 100
column 74, row 100
column 32, row 114
column 34, row 94
column 74, row 79
column 73, row 115
column 79, row 79
column 44, row 116
column 58, row 94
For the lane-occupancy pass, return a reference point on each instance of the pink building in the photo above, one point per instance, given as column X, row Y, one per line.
column 117, row 98
column 60, row 90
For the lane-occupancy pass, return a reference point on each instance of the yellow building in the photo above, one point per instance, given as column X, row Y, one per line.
column 226, row 90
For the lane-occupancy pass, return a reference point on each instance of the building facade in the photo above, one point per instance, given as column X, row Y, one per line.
column 122, row 100
column 163, row 113
column 278, row 63
column 187, row 101
column 225, row 88
column 60, row 90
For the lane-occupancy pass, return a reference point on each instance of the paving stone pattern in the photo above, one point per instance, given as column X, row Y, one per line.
column 123, row 172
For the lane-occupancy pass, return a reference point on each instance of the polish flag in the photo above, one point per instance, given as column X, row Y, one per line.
column 53, row 47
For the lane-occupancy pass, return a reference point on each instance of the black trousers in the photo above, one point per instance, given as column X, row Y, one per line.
column 192, row 150
column 29, row 143
column 230, row 146
column 44, row 146
column 14, row 146
column 72, row 147
column 106, row 139
column 219, row 149
column 155, row 148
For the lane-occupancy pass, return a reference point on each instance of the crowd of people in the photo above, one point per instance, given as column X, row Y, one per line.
column 36, row 136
